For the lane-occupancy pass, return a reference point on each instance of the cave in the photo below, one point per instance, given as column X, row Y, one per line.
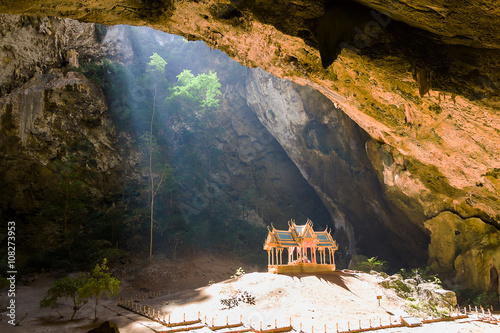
column 378, row 119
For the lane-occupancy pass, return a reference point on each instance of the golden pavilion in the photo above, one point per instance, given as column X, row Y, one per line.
column 304, row 248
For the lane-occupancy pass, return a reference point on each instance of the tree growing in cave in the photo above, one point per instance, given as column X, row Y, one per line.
column 195, row 98
column 81, row 288
column 98, row 283
column 158, row 171
column 66, row 287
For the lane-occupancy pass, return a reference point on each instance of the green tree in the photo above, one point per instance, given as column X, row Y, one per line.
column 371, row 264
column 99, row 283
column 202, row 89
column 196, row 98
column 66, row 287
column 160, row 176
column 156, row 67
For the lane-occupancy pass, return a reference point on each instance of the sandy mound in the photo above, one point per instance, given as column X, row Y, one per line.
column 311, row 300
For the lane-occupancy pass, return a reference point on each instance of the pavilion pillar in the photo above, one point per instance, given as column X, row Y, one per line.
column 268, row 258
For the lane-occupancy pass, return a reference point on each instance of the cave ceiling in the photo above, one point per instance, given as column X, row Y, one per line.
column 420, row 77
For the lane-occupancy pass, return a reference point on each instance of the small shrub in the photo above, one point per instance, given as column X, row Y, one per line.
column 66, row 287
column 420, row 275
column 81, row 288
column 239, row 272
column 371, row 264
column 99, row 283
column 235, row 296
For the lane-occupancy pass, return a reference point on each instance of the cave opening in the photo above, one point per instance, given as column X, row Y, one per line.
column 99, row 123
column 237, row 172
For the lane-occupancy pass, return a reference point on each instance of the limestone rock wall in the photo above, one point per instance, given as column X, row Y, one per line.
column 56, row 116
column 424, row 85
column 54, row 113
column 33, row 45
column 253, row 172
column 49, row 112
column 329, row 150
column 466, row 249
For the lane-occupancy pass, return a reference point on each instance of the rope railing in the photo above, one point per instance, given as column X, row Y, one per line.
column 349, row 327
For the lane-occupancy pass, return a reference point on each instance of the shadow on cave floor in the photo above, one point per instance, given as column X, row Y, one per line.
column 336, row 277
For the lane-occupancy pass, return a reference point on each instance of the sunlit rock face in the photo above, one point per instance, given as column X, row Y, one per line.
column 468, row 247
column 329, row 149
column 59, row 146
column 57, row 116
column 31, row 45
column 422, row 83
column 52, row 115
column 251, row 171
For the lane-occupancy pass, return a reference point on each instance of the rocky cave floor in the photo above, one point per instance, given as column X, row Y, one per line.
column 189, row 285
